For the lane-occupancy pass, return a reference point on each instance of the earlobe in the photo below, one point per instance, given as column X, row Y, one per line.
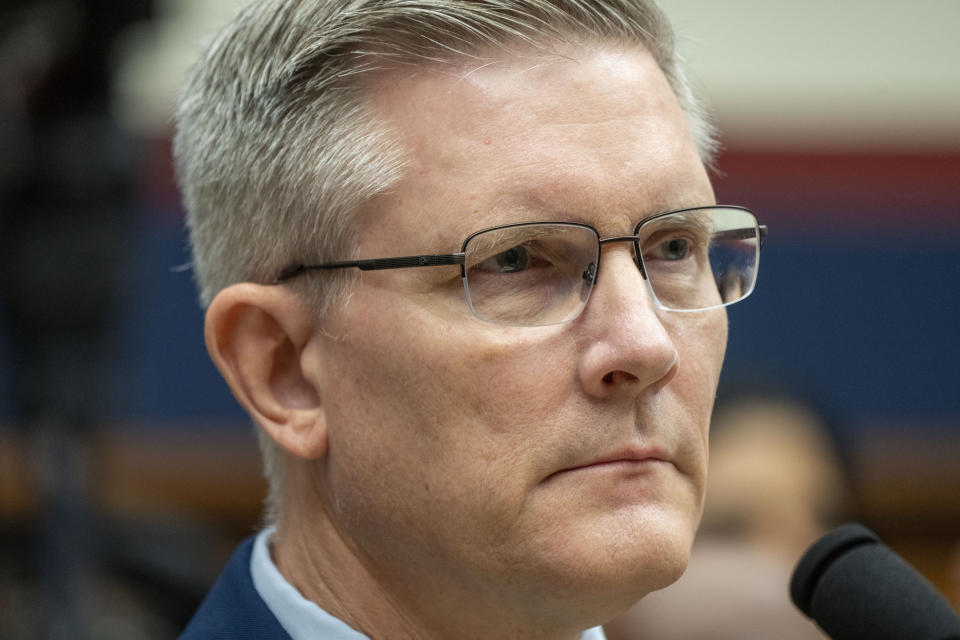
column 255, row 335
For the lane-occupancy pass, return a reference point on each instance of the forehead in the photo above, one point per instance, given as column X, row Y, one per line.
column 594, row 135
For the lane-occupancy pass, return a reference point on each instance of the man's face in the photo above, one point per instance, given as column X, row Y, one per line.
column 562, row 460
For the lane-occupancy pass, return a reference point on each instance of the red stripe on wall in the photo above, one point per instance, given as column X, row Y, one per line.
column 157, row 184
column 878, row 192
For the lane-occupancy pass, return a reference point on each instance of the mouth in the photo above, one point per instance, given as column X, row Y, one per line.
column 631, row 461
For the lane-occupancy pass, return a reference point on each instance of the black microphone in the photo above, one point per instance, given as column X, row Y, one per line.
column 857, row 588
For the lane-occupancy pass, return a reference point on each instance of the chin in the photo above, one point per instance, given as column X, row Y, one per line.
column 667, row 559
column 620, row 562
column 661, row 551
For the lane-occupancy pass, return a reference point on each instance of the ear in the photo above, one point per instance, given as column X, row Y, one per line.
column 255, row 335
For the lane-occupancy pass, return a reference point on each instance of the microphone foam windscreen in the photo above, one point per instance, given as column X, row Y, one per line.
column 856, row 588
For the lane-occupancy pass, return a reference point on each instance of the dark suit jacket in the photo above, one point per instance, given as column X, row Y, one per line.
column 233, row 610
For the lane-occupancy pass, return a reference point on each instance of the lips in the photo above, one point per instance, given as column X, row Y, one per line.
column 628, row 459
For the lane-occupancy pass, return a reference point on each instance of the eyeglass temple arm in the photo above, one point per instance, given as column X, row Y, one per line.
column 375, row 264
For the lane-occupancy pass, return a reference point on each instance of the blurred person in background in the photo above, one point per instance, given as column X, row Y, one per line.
column 778, row 481
column 508, row 441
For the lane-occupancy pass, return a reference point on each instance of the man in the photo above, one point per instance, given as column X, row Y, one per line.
column 458, row 445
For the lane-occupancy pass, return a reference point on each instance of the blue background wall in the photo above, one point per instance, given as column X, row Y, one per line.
column 858, row 300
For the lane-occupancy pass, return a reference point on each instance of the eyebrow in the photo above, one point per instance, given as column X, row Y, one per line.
column 497, row 240
column 523, row 232
column 689, row 219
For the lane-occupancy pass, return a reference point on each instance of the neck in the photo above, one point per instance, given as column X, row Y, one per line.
column 409, row 602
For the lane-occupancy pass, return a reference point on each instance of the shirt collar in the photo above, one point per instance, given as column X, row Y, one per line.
column 301, row 618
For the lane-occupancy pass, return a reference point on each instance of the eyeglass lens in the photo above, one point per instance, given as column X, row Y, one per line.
column 534, row 274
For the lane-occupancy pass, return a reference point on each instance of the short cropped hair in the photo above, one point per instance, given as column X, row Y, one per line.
column 276, row 146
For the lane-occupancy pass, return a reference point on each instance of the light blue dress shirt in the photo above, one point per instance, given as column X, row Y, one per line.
column 301, row 618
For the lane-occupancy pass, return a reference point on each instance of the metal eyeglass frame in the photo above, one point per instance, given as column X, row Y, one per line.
column 448, row 259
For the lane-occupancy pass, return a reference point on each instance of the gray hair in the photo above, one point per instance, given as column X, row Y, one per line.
column 276, row 148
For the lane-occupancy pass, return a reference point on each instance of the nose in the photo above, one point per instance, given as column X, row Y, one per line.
column 626, row 346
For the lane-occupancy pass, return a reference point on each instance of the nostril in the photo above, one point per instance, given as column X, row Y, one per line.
column 619, row 377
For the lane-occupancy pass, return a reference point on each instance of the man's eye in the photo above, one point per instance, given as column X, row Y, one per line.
column 509, row 261
column 673, row 249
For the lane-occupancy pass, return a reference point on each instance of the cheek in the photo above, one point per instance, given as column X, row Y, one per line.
column 433, row 376
column 702, row 345
column 516, row 385
column 453, row 405
column 431, row 435
column 701, row 341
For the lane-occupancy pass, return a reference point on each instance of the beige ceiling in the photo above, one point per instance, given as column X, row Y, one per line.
column 877, row 73
column 810, row 73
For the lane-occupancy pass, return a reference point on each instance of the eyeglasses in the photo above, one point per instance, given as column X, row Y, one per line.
column 542, row 273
